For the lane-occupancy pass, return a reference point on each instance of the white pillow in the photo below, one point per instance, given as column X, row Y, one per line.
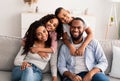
column 115, row 70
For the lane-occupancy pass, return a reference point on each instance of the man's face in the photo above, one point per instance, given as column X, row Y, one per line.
column 65, row 16
column 76, row 29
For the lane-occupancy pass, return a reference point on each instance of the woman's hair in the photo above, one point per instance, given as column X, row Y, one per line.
column 59, row 29
column 31, row 37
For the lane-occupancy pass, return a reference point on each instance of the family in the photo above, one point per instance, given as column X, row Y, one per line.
column 79, row 58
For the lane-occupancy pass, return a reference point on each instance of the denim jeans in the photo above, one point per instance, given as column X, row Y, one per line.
column 29, row 74
column 97, row 77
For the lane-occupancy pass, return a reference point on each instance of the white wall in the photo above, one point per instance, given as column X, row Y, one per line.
column 119, row 18
column 10, row 13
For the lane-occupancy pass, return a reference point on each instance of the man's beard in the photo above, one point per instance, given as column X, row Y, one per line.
column 76, row 38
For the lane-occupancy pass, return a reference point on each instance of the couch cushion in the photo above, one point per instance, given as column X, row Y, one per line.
column 115, row 69
column 107, row 47
column 9, row 46
column 5, row 76
column 48, row 77
column 113, row 79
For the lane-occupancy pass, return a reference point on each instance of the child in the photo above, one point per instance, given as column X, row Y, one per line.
column 28, row 65
column 65, row 17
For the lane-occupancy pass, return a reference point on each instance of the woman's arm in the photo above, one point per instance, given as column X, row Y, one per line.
column 19, row 58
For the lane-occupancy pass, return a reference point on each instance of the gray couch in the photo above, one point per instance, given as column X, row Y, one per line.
column 9, row 47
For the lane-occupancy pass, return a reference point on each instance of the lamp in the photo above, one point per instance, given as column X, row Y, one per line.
column 30, row 3
column 113, row 18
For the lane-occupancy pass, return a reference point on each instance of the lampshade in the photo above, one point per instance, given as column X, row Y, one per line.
column 115, row 0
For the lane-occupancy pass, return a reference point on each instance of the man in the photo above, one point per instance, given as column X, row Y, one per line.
column 90, row 66
column 65, row 17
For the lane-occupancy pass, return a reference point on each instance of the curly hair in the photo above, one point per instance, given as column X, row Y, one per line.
column 31, row 37
column 59, row 29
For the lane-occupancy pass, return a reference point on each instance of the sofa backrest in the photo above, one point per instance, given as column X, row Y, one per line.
column 9, row 47
column 107, row 47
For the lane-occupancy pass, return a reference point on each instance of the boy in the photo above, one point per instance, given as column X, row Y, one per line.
column 65, row 17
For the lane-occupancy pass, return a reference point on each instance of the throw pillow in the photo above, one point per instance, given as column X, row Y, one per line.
column 115, row 70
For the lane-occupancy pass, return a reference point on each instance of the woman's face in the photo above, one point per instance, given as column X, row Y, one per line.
column 52, row 24
column 42, row 34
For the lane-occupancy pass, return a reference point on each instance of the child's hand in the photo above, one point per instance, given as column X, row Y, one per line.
column 80, row 51
column 43, row 55
column 53, row 35
column 34, row 49
column 72, row 50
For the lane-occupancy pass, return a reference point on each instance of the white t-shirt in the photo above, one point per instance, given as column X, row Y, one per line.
column 79, row 62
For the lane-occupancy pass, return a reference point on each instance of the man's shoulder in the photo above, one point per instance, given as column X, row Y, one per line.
column 93, row 42
column 64, row 46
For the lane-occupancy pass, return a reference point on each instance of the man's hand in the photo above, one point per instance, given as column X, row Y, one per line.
column 43, row 55
column 90, row 74
column 77, row 78
column 25, row 65
column 88, row 77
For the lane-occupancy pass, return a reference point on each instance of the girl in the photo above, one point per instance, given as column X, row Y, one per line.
column 28, row 65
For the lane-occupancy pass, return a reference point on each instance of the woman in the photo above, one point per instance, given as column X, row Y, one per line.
column 54, row 27
column 28, row 65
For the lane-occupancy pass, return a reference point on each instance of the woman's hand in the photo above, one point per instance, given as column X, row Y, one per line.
column 54, row 78
column 25, row 65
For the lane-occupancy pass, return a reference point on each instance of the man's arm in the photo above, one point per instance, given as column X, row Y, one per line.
column 72, row 76
column 69, row 74
column 90, row 74
column 62, row 60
